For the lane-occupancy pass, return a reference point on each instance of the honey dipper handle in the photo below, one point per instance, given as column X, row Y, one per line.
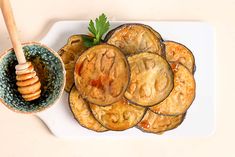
column 11, row 27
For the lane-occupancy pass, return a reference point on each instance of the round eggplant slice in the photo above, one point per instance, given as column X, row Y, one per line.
column 176, row 52
column 182, row 94
column 102, row 74
column 135, row 38
column 69, row 54
column 155, row 123
column 118, row 116
column 82, row 113
column 151, row 79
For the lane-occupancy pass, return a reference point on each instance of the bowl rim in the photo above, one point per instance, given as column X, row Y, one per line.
column 4, row 53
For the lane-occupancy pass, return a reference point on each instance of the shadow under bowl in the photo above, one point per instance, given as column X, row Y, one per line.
column 49, row 68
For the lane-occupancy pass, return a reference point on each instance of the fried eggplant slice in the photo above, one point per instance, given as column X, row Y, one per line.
column 176, row 52
column 182, row 94
column 118, row 116
column 69, row 54
column 102, row 74
column 82, row 113
column 151, row 79
column 158, row 124
column 135, row 38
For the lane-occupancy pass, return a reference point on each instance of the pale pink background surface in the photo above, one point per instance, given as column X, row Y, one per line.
column 22, row 135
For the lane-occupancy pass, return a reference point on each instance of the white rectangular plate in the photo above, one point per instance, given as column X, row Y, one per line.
column 200, row 118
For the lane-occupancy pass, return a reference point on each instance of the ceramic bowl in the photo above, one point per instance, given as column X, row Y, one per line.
column 49, row 68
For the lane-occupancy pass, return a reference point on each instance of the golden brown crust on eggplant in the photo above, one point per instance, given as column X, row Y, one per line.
column 182, row 95
column 118, row 116
column 151, row 79
column 158, row 124
column 176, row 52
column 69, row 54
column 82, row 113
column 113, row 93
column 102, row 74
column 154, row 31
column 135, row 38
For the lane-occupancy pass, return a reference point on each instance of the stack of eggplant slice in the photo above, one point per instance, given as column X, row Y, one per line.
column 134, row 78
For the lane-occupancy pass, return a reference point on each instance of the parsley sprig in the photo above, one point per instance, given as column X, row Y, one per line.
column 97, row 29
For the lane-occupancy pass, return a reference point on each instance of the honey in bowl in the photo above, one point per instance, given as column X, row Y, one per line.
column 41, row 71
column 49, row 68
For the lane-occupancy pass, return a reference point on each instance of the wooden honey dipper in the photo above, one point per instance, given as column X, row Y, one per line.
column 27, row 80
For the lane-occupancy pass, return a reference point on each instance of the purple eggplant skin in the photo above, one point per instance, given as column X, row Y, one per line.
column 161, row 132
column 165, row 97
column 194, row 66
column 111, row 32
column 126, row 66
column 169, row 94
column 159, row 37
column 124, row 129
column 78, row 120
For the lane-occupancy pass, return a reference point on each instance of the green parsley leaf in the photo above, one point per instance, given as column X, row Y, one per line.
column 92, row 27
column 88, row 41
column 97, row 29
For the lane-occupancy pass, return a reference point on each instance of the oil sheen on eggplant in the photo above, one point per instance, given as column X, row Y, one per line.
column 151, row 79
column 118, row 116
column 182, row 94
column 102, row 74
column 156, row 123
column 69, row 54
column 176, row 52
column 135, row 38
column 134, row 78
column 82, row 113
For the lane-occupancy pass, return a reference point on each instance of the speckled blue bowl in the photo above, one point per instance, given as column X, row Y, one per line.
column 53, row 83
